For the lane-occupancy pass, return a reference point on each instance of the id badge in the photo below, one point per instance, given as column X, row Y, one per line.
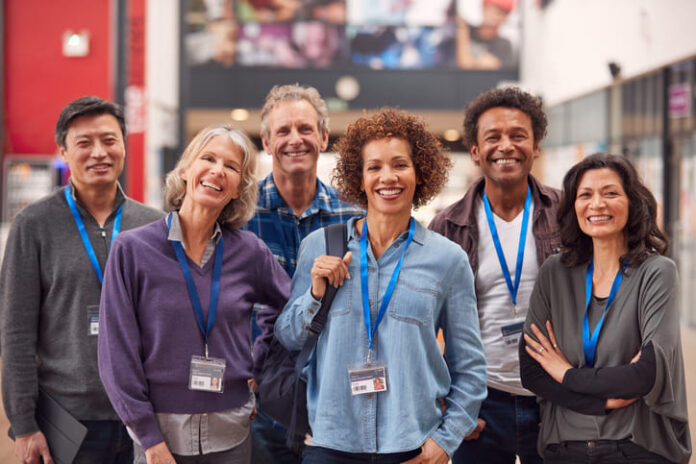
column 93, row 320
column 368, row 378
column 207, row 374
column 512, row 333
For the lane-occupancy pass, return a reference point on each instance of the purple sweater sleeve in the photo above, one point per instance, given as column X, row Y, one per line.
column 273, row 292
column 119, row 347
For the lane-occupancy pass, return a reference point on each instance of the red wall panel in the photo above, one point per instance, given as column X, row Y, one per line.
column 39, row 80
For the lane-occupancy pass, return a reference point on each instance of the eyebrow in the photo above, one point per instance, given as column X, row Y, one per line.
column 89, row 135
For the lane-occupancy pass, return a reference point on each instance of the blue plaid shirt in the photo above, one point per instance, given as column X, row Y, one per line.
column 277, row 225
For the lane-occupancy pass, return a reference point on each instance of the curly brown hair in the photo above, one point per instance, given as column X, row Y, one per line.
column 508, row 97
column 430, row 159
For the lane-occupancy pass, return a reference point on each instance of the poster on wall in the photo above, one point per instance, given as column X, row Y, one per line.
column 323, row 34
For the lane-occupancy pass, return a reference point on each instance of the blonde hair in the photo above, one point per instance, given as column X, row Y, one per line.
column 238, row 211
column 295, row 92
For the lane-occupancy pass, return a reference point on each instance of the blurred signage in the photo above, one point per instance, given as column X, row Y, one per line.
column 27, row 179
column 679, row 100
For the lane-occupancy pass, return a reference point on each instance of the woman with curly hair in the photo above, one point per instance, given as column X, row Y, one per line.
column 379, row 390
column 175, row 332
column 602, row 349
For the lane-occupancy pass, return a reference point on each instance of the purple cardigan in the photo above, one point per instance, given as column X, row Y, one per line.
column 148, row 331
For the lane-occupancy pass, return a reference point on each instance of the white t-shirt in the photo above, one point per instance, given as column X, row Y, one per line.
column 501, row 325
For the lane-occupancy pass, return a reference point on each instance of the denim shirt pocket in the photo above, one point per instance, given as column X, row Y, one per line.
column 342, row 301
column 414, row 301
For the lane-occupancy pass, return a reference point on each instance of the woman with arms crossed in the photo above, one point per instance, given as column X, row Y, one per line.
column 602, row 349
column 175, row 337
column 377, row 377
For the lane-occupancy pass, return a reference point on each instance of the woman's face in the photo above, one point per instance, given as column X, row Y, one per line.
column 388, row 176
column 213, row 177
column 601, row 204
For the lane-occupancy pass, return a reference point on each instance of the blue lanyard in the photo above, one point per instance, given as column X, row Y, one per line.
column 85, row 237
column 289, row 268
column 589, row 342
column 390, row 288
column 520, row 248
column 191, row 285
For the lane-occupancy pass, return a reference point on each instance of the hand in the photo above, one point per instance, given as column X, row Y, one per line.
column 431, row 453
column 253, row 386
column 636, row 358
column 31, row 448
column 159, row 454
column 616, row 403
column 547, row 353
column 252, row 416
column 480, row 425
column 331, row 269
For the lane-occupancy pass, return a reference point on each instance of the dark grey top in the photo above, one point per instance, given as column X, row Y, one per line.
column 48, row 291
column 645, row 310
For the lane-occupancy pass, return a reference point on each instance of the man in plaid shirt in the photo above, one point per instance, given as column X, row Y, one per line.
column 292, row 203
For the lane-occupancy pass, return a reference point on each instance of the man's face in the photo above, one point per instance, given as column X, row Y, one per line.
column 294, row 139
column 505, row 147
column 94, row 150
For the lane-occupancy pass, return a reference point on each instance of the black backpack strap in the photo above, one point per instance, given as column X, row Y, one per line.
column 336, row 238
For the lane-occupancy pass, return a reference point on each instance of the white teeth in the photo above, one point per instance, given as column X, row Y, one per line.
column 598, row 218
column 293, row 154
column 505, row 161
column 388, row 192
column 212, row 186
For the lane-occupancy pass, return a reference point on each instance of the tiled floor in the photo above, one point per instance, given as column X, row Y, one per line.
column 688, row 343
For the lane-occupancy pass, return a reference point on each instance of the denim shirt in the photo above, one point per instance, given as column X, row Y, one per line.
column 435, row 290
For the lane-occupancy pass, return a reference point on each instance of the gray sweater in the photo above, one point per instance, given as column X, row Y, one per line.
column 645, row 310
column 48, row 292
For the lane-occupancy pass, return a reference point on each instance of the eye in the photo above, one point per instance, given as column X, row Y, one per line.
column 232, row 167
column 207, row 158
column 492, row 138
column 583, row 195
column 373, row 168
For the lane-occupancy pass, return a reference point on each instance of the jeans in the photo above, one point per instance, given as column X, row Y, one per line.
column 600, row 451
column 319, row 455
column 107, row 442
column 269, row 442
column 240, row 454
column 512, row 428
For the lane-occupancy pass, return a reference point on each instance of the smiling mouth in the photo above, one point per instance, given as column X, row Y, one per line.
column 295, row 154
column 389, row 192
column 505, row 161
column 211, row 186
column 99, row 167
column 593, row 219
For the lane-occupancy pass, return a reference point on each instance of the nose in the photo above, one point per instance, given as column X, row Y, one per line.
column 389, row 175
column 597, row 201
column 99, row 150
column 505, row 144
column 295, row 138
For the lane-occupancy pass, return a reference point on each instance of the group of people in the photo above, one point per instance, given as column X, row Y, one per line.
column 558, row 309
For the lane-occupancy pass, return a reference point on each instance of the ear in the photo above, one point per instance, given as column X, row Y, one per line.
column 536, row 150
column 325, row 140
column 264, row 142
column 475, row 154
column 62, row 153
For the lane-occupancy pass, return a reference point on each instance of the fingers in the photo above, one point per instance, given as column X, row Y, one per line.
column 636, row 358
column 332, row 268
column 347, row 258
column 480, row 425
column 552, row 336
column 543, row 340
column 532, row 346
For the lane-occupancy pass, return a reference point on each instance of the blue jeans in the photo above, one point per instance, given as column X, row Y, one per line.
column 600, row 451
column 269, row 442
column 319, row 455
column 512, row 428
column 107, row 442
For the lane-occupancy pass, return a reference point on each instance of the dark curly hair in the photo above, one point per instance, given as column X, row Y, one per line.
column 430, row 159
column 644, row 237
column 509, row 97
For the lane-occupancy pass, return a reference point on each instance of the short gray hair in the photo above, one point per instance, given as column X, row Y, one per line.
column 294, row 92
column 238, row 211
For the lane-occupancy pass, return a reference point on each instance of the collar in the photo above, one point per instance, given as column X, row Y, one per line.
column 120, row 196
column 462, row 214
column 177, row 235
column 418, row 235
column 270, row 198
